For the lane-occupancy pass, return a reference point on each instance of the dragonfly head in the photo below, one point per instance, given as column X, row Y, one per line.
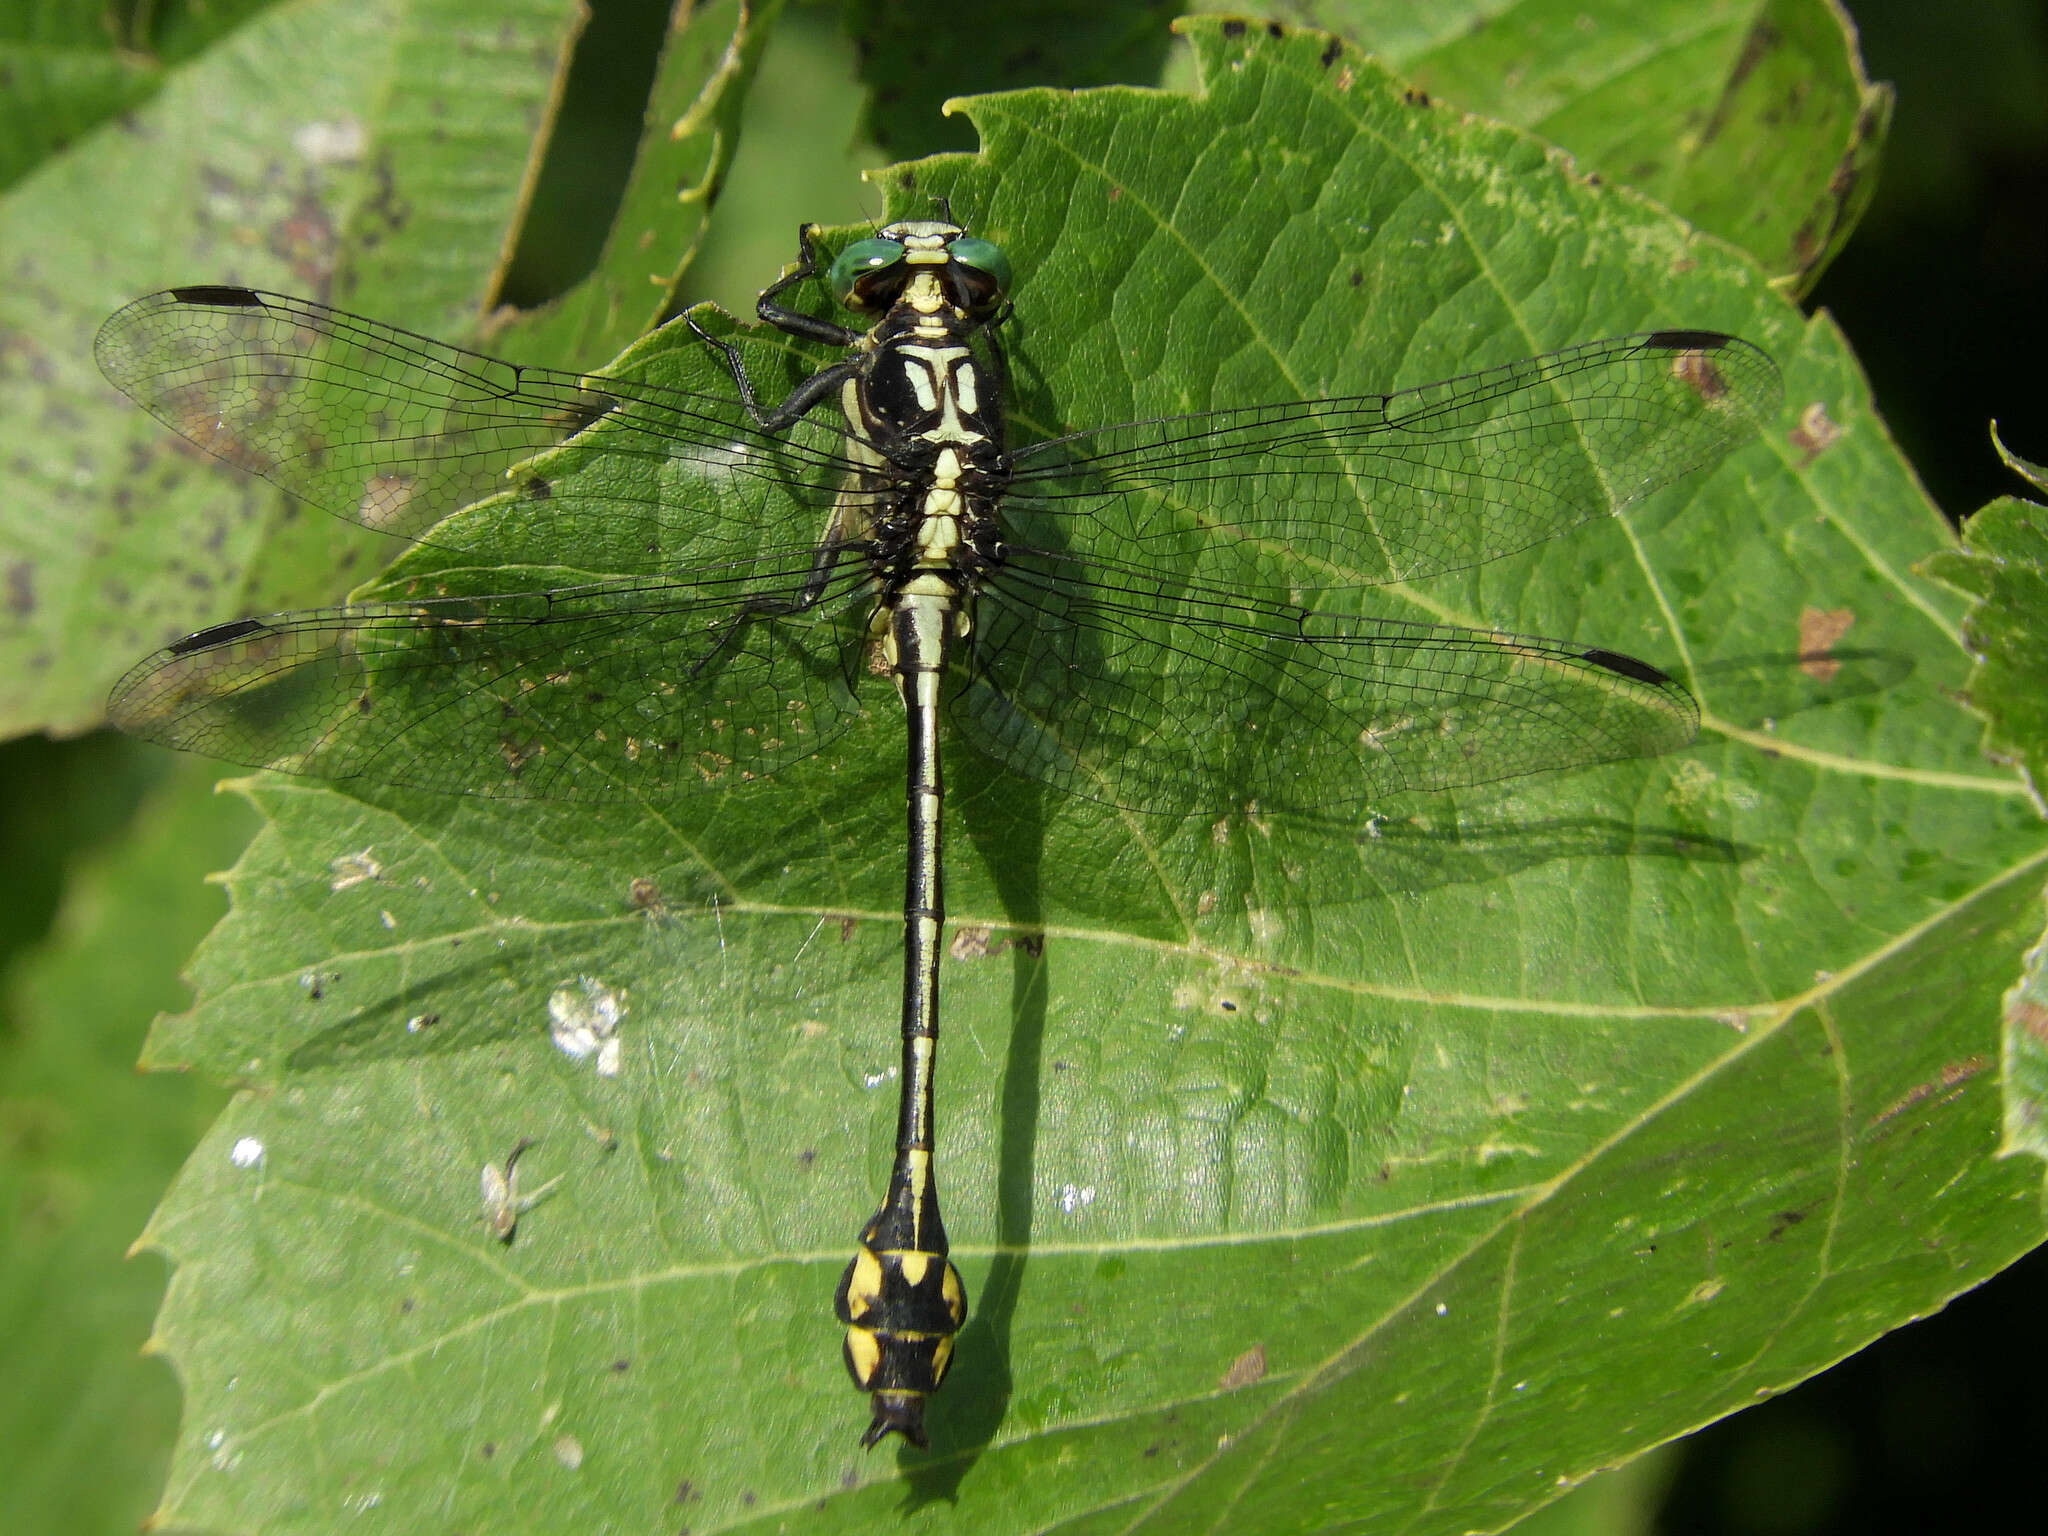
column 871, row 276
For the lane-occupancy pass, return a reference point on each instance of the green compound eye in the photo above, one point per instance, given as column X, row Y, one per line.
column 859, row 260
column 986, row 257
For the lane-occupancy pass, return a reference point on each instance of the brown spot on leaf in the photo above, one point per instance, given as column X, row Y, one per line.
column 1763, row 37
column 1244, row 1370
column 1819, row 629
column 2030, row 1018
column 1946, row 1084
column 1815, row 434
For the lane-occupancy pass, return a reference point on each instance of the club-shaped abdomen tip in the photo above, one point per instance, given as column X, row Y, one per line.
column 901, row 1310
column 896, row 1413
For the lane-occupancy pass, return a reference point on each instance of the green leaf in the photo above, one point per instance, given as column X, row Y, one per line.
column 2034, row 474
column 1395, row 1172
column 63, row 75
column 1621, row 1501
column 686, row 149
column 87, row 1421
column 800, row 160
column 372, row 148
column 1752, row 118
column 2003, row 565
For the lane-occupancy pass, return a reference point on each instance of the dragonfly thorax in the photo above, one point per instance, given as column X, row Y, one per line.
column 924, row 405
column 919, row 393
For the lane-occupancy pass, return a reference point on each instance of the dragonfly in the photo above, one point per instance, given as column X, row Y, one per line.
column 1170, row 616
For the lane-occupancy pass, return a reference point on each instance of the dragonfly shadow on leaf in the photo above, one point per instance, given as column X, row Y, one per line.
column 1408, row 858
column 1004, row 816
column 1281, row 864
column 1753, row 691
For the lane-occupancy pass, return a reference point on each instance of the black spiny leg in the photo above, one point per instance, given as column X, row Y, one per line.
column 826, row 381
column 792, row 321
column 832, row 551
column 802, row 400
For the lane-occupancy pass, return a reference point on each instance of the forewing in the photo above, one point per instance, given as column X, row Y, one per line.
column 1380, row 488
column 394, row 431
column 1164, row 696
column 608, row 690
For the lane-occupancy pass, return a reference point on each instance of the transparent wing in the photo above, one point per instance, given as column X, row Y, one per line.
column 393, row 430
column 607, row 690
column 1155, row 695
column 1380, row 488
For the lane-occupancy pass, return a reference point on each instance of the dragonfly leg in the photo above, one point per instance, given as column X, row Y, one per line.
column 793, row 321
column 802, row 400
column 825, row 559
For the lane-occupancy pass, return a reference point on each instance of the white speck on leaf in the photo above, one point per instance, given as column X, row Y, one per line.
column 337, row 143
column 353, row 869
column 222, row 1454
column 569, row 1452
column 246, row 1152
column 583, row 1019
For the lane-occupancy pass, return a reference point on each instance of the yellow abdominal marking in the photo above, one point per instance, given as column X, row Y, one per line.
column 863, row 1352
